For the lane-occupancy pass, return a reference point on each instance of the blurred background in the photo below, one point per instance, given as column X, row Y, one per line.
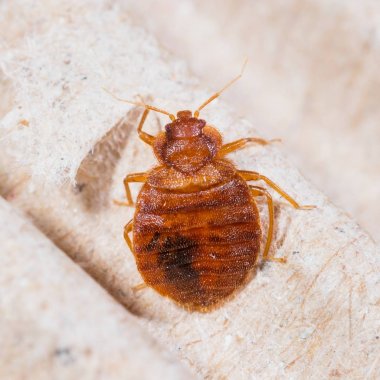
column 313, row 79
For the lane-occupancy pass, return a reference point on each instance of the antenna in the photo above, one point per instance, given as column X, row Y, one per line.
column 217, row 94
column 142, row 104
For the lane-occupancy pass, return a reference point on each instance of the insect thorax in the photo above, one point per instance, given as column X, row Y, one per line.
column 187, row 143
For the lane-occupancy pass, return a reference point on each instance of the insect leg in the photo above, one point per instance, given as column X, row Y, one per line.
column 253, row 176
column 257, row 191
column 146, row 137
column 239, row 144
column 139, row 287
column 127, row 229
column 134, row 177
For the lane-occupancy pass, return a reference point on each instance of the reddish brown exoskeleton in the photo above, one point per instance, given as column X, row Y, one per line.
column 196, row 228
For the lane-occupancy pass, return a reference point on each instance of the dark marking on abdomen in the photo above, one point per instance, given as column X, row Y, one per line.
column 176, row 255
column 152, row 245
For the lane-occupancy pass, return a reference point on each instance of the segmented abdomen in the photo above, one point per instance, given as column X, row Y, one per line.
column 196, row 248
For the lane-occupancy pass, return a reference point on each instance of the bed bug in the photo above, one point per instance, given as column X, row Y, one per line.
column 196, row 228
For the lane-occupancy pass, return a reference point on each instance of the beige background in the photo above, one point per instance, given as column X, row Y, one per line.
column 315, row 317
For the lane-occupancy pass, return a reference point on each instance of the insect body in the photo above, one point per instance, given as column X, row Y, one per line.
column 196, row 229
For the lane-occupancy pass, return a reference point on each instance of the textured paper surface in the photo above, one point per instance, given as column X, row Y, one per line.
column 315, row 317
column 56, row 323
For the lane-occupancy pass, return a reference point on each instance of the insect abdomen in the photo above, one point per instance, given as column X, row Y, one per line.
column 196, row 247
